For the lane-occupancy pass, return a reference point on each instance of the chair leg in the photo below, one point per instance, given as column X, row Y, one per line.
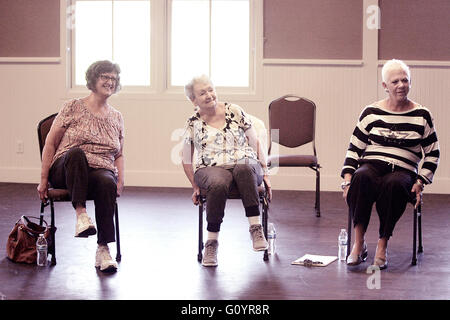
column 265, row 223
column 349, row 239
column 201, row 208
column 116, row 217
column 52, row 233
column 317, row 205
column 41, row 217
column 414, row 257
column 419, row 220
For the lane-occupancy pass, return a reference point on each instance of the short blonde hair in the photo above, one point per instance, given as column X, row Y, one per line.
column 392, row 65
column 189, row 87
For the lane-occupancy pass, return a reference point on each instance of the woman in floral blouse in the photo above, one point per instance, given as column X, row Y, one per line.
column 83, row 153
column 221, row 147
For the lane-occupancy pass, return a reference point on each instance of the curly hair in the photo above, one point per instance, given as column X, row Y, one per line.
column 98, row 68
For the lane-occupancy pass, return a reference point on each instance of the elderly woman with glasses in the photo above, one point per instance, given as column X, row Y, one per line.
column 227, row 151
column 382, row 161
column 83, row 153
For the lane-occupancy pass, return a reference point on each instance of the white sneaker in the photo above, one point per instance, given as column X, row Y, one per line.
column 104, row 261
column 84, row 226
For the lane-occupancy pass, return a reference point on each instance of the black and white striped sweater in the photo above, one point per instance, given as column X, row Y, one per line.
column 398, row 138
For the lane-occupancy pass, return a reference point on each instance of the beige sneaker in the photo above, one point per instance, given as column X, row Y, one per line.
column 104, row 261
column 84, row 226
column 210, row 253
column 257, row 235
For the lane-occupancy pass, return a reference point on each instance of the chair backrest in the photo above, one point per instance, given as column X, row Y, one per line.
column 294, row 117
column 261, row 132
column 43, row 129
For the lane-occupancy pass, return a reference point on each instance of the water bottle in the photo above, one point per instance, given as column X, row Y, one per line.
column 41, row 249
column 271, row 236
column 342, row 241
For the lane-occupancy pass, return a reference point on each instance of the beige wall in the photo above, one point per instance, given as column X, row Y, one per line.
column 30, row 91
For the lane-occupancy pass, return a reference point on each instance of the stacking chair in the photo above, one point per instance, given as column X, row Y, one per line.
column 293, row 118
column 62, row 195
column 234, row 194
column 417, row 231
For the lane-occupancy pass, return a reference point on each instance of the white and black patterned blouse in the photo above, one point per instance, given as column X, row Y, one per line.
column 219, row 147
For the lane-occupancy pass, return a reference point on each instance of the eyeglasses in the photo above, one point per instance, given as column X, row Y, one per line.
column 105, row 78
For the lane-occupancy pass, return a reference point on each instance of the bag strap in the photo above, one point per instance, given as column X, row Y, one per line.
column 26, row 223
column 27, row 219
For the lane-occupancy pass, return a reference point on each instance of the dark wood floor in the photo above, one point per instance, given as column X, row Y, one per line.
column 159, row 243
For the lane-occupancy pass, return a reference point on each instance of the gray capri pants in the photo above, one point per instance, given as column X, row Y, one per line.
column 218, row 181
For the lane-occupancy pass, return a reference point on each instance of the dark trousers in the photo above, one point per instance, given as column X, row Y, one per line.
column 377, row 182
column 218, row 181
column 72, row 172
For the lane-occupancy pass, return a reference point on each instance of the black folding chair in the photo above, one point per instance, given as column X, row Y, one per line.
column 62, row 195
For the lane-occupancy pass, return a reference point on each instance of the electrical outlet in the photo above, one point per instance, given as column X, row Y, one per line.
column 19, row 147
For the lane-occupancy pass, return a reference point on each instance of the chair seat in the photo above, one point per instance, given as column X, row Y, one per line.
column 292, row 161
column 234, row 192
column 62, row 195
column 59, row 194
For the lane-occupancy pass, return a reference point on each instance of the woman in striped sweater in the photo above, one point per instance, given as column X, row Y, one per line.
column 382, row 161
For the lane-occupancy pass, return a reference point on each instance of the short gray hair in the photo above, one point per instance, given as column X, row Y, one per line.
column 392, row 65
column 189, row 87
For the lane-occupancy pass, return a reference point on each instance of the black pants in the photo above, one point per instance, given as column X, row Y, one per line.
column 389, row 188
column 218, row 181
column 72, row 172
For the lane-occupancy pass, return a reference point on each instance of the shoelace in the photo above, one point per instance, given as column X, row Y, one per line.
column 210, row 250
column 257, row 233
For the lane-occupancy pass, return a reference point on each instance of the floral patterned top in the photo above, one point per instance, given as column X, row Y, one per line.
column 220, row 147
column 99, row 137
